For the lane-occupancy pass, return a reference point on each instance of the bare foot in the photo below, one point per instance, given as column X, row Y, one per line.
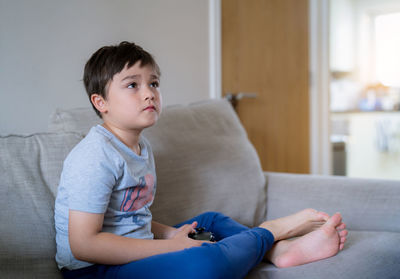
column 322, row 243
column 297, row 224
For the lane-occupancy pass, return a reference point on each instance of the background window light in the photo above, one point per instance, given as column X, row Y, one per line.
column 387, row 43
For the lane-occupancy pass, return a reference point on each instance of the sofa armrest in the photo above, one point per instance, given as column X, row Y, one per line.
column 366, row 204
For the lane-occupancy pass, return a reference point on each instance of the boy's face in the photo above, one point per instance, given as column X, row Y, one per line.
column 133, row 98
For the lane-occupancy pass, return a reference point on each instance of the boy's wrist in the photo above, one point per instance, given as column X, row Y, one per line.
column 161, row 231
column 171, row 233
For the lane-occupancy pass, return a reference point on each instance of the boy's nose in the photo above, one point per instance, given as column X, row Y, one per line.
column 149, row 94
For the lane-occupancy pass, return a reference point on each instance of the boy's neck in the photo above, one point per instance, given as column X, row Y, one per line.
column 129, row 137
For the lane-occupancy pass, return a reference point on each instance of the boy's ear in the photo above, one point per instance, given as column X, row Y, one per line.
column 99, row 102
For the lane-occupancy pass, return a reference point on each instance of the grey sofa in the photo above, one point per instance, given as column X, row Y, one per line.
column 204, row 163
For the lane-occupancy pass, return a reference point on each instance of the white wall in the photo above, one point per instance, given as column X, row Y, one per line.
column 341, row 29
column 44, row 45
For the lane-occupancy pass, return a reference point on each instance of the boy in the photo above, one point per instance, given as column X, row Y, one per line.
column 104, row 227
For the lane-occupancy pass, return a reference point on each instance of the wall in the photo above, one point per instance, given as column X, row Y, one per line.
column 44, row 45
column 341, row 29
column 351, row 35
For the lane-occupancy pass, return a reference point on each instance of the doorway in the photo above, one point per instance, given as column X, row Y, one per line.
column 365, row 88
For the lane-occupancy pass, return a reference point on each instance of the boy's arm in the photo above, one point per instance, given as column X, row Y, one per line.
column 89, row 244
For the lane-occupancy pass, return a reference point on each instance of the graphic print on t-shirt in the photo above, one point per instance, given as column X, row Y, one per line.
column 138, row 196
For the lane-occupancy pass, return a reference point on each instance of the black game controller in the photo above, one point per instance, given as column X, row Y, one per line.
column 201, row 234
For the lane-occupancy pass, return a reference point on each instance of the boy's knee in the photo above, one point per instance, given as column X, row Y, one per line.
column 213, row 215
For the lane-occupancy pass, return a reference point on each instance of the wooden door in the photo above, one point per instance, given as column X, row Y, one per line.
column 265, row 50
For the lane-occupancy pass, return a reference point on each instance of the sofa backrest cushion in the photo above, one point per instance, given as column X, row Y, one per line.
column 78, row 120
column 204, row 162
column 30, row 168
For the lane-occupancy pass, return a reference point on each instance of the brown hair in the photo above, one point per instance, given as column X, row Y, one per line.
column 110, row 60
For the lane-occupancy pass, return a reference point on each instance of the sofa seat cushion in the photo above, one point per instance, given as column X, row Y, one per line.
column 30, row 168
column 367, row 254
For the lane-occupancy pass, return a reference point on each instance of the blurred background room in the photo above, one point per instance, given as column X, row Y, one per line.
column 365, row 87
column 324, row 75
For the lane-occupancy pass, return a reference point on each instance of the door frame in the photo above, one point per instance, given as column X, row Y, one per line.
column 214, row 43
column 320, row 146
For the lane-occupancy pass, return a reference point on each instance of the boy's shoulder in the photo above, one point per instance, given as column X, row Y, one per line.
column 94, row 146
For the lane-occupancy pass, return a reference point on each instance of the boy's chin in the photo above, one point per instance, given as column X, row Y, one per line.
column 149, row 123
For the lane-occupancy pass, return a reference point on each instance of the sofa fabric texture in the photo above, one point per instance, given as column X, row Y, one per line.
column 367, row 254
column 30, row 167
column 366, row 204
column 205, row 137
column 78, row 120
column 204, row 162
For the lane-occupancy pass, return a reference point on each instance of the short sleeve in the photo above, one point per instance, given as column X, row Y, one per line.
column 89, row 177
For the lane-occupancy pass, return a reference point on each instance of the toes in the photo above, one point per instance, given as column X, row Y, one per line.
column 343, row 239
column 323, row 216
column 343, row 236
column 316, row 215
column 335, row 220
column 341, row 226
column 343, row 233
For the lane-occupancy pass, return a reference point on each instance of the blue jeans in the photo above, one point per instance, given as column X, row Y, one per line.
column 238, row 250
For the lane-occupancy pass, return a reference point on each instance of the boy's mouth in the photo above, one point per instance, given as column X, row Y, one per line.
column 150, row 108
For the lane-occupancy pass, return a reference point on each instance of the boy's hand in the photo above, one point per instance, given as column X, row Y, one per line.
column 172, row 232
column 185, row 229
column 181, row 235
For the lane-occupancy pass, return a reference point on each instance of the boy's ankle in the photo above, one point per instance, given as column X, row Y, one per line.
column 274, row 229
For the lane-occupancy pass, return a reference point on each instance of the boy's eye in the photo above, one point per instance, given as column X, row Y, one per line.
column 155, row 84
column 132, row 85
